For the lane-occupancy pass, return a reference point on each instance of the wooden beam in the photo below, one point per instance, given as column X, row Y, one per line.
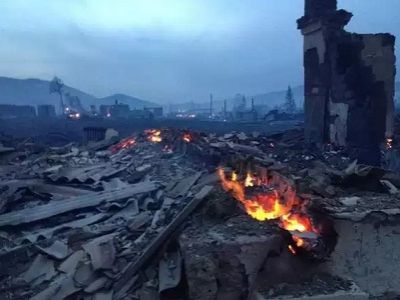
column 55, row 208
column 133, row 267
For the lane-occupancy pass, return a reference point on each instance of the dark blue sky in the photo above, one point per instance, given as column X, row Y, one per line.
column 168, row 50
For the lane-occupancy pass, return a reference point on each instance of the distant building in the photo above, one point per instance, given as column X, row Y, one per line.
column 246, row 115
column 9, row 111
column 156, row 111
column 118, row 110
column 46, row 111
column 93, row 110
column 141, row 114
column 105, row 110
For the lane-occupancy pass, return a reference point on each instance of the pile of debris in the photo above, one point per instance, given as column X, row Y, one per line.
column 84, row 220
column 147, row 217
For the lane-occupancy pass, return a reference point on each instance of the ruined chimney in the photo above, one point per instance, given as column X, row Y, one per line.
column 317, row 8
column 348, row 86
column 211, row 105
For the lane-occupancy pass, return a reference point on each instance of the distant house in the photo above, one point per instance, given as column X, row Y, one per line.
column 156, row 111
column 117, row 110
column 141, row 114
column 9, row 111
column 46, row 111
column 105, row 110
column 246, row 115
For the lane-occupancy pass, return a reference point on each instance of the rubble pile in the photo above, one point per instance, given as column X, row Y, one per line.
column 146, row 217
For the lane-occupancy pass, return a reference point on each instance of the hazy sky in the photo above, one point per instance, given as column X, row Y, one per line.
column 167, row 50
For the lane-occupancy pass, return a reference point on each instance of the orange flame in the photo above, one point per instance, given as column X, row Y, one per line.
column 268, row 205
column 153, row 135
column 299, row 241
column 262, row 206
column 296, row 222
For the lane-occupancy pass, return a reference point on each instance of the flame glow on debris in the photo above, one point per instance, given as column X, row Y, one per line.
column 153, row 135
column 234, row 176
column 249, row 180
column 124, row 144
column 268, row 205
column 299, row 241
column 187, row 137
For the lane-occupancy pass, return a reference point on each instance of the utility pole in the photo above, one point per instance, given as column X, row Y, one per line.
column 225, row 109
column 211, row 105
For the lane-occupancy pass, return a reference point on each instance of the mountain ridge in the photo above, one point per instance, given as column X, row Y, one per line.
column 32, row 91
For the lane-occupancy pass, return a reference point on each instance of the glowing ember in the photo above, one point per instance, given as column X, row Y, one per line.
column 249, row 180
column 234, row 176
column 154, row 135
column 124, row 144
column 292, row 250
column 268, row 205
column 187, row 137
column 389, row 143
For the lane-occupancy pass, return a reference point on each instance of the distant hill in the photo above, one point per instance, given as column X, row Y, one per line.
column 126, row 99
column 36, row 91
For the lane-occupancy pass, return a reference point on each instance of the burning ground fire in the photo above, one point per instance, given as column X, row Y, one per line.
column 154, row 135
column 268, row 204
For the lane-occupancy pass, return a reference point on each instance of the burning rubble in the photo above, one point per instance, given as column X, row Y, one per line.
column 95, row 216
column 273, row 198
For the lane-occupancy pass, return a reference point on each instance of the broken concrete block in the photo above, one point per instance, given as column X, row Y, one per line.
column 42, row 269
column 223, row 260
column 368, row 247
column 58, row 250
column 69, row 265
column 169, row 271
column 101, row 251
